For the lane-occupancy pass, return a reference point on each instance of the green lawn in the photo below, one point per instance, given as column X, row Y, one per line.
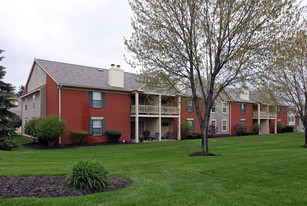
column 251, row 170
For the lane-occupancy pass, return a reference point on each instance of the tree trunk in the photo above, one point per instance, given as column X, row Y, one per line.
column 204, row 128
column 305, row 126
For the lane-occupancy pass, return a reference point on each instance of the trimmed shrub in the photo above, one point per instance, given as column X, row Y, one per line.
column 31, row 127
column 194, row 135
column 240, row 129
column 113, row 135
column 89, row 176
column 50, row 128
column 280, row 127
column 78, row 137
column 289, row 128
column 256, row 128
column 248, row 133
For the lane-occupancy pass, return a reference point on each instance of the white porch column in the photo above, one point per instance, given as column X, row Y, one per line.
column 136, row 117
column 160, row 122
column 179, row 119
column 275, row 122
column 259, row 118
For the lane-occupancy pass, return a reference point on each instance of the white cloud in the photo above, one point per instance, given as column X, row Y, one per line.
column 87, row 32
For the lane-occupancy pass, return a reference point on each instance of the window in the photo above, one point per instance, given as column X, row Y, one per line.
column 224, row 108
column 191, row 122
column 33, row 101
column 213, row 122
column 97, row 126
column 190, row 106
column 243, row 122
column 224, row 125
column 279, row 110
column 26, row 104
column 213, row 108
column 243, row 108
column 97, row 99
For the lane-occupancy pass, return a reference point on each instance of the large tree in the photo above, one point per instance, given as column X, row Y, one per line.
column 285, row 76
column 207, row 45
column 6, row 94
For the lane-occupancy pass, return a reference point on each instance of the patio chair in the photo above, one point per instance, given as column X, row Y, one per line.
column 169, row 135
column 156, row 137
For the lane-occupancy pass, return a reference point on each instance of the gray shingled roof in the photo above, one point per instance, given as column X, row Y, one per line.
column 84, row 76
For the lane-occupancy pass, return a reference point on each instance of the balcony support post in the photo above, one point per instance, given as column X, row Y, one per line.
column 275, row 122
column 160, row 122
column 179, row 120
column 136, row 117
column 259, row 118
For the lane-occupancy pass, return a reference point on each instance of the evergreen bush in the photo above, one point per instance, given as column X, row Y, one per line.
column 113, row 135
column 78, row 137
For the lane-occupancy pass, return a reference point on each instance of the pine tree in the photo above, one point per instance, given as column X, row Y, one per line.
column 6, row 92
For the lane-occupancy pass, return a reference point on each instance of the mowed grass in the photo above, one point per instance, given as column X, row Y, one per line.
column 251, row 170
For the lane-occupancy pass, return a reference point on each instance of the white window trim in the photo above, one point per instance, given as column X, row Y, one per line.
column 214, row 107
column 223, row 108
column 97, row 118
column 190, row 119
column 33, row 102
column 214, row 121
column 224, row 120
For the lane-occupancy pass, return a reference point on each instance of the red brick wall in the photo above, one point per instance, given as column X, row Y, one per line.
column 185, row 115
column 283, row 117
column 77, row 113
column 272, row 125
column 52, row 97
column 236, row 116
column 297, row 121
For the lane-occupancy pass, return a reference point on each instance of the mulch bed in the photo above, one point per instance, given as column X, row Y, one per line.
column 43, row 146
column 202, row 154
column 47, row 186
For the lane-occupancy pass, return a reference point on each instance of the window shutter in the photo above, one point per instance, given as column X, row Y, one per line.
column 244, row 108
column 91, row 99
column 193, row 123
column 187, row 107
column 193, row 107
column 103, row 99
column 103, row 123
column 91, row 128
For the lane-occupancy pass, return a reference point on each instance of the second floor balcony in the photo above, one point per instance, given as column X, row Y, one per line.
column 154, row 110
column 264, row 115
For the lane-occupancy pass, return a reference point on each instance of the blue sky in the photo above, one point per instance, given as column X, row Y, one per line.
column 85, row 32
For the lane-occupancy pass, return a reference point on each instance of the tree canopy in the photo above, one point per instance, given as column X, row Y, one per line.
column 206, row 45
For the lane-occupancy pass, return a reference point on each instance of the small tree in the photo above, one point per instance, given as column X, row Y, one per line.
column 206, row 45
column 212, row 130
column 50, row 128
column 6, row 130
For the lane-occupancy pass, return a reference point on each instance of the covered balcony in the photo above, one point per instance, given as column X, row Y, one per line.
column 154, row 110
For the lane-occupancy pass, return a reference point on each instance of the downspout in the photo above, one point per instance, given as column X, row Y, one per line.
column 60, row 86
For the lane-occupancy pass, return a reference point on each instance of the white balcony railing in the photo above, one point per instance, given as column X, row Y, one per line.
column 264, row 115
column 154, row 110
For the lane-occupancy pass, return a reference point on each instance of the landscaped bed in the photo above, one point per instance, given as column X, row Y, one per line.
column 47, row 186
